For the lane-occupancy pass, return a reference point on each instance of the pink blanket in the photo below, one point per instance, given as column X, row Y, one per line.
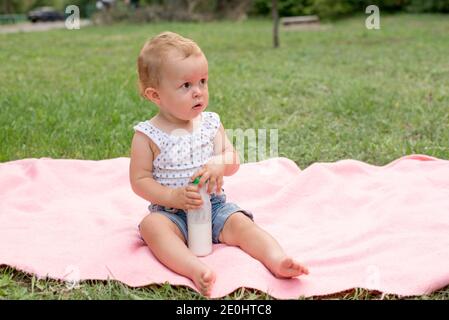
column 353, row 224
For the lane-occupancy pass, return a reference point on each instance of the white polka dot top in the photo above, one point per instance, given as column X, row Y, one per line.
column 181, row 155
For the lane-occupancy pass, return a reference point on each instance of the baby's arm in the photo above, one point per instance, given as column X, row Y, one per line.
column 224, row 153
column 224, row 162
column 141, row 172
column 144, row 185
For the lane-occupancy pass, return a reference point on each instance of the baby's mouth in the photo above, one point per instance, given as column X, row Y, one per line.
column 197, row 106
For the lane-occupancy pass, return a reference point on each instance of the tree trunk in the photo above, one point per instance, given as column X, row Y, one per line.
column 7, row 7
column 275, row 13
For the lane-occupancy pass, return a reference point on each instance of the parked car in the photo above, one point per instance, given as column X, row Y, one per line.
column 45, row 14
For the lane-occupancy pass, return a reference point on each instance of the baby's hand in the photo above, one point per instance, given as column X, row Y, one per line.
column 186, row 198
column 212, row 172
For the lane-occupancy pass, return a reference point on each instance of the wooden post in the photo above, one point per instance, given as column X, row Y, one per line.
column 275, row 14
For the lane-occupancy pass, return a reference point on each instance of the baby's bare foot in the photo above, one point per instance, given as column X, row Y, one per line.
column 204, row 280
column 286, row 267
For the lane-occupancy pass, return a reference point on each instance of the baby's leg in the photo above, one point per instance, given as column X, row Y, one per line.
column 168, row 245
column 240, row 231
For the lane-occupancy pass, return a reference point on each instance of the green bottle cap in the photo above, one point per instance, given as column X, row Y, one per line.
column 197, row 180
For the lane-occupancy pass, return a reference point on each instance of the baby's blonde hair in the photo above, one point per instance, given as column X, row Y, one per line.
column 151, row 57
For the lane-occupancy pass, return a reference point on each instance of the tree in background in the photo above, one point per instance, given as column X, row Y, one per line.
column 232, row 9
column 11, row 6
column 23, row 6
column 228, row 9
column 340, row 8
column 429, row 6
column 238, row 9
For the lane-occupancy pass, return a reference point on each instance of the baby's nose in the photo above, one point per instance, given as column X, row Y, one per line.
column 196, row 92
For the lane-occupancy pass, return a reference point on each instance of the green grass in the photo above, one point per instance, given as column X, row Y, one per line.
column 18, row 285
column 343, row 92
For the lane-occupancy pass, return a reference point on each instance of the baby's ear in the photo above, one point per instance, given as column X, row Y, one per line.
column 152, row 95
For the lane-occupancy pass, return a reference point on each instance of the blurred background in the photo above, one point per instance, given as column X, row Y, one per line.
column 200, row 10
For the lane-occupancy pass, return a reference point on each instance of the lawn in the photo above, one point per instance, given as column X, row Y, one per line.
column 336, row 93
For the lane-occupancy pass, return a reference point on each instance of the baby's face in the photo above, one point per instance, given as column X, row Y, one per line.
column 183, row 89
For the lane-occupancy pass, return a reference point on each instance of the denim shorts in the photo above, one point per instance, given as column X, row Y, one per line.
column 221, row 211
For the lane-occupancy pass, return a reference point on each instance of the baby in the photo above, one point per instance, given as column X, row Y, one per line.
column 177, row 145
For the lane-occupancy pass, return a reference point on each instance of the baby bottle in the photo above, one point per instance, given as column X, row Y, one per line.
column 199, row 225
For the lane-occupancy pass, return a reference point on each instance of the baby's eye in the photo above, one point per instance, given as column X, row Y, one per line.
column 203, row 81
column 186, row 85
